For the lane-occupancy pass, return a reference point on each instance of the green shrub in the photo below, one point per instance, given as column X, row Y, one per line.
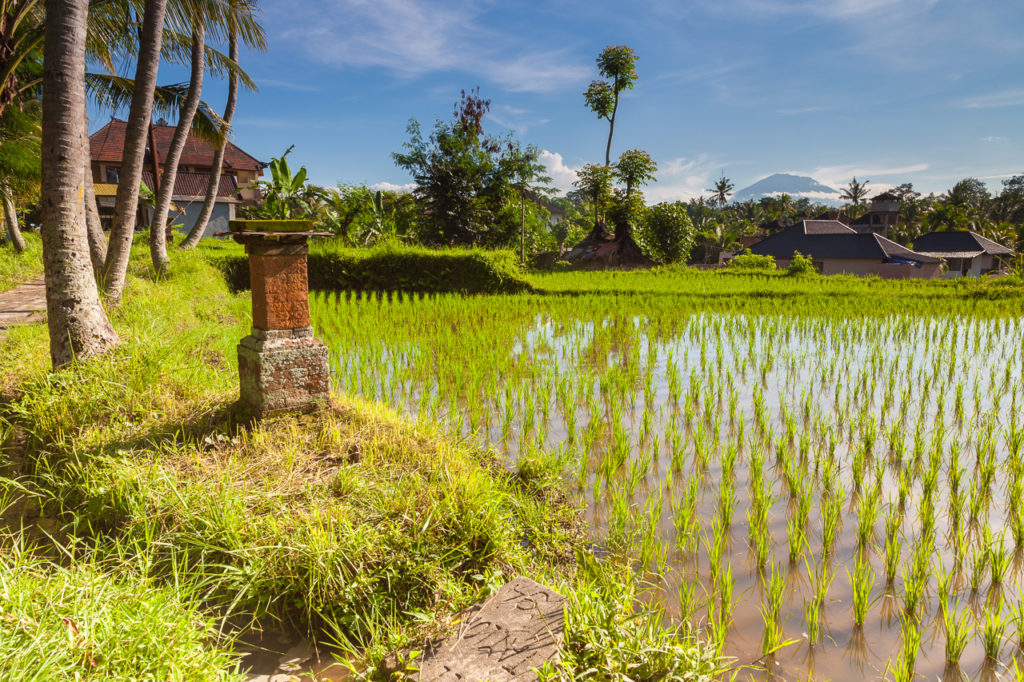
column 669, row 232
column 801, row 265
column 398, row 268
column 752, row 261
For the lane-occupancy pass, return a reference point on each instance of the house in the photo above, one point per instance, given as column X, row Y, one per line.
column 966, row 253
column 239, row 171
column 838, row 249
column 883, row 215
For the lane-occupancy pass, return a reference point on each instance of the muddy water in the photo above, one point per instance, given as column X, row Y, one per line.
column 821, row 389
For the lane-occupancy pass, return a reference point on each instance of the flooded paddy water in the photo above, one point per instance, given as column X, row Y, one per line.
column 824, row 497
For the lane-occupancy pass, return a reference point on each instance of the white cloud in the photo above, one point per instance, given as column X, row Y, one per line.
column 415, row 37
column 391, row 187
column 682, row 179
column 1004, row 98
column 838, row 176
column 562, row 176
column 993, row 138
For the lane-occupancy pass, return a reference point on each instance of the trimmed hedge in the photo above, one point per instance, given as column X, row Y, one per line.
column 398, row 268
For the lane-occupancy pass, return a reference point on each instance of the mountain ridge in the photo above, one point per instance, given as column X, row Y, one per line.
column 796, row 186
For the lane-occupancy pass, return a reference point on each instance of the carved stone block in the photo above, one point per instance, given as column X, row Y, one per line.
column 517, row 629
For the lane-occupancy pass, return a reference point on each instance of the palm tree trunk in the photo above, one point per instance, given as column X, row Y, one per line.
column 196, row 233
column 157, row 231
column 77, row 323
column 94, row 228
column 139, row 117
column 11, row 220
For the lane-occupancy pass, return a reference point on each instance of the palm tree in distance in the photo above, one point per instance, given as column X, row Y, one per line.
column 722, row 191
column 855, row 192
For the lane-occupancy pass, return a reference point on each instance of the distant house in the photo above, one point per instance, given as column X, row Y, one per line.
column 883, row 215
column 838, row 249
column 239, row 171
column 966, row 253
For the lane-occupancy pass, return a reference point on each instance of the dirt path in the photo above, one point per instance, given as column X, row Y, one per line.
column 26, row 303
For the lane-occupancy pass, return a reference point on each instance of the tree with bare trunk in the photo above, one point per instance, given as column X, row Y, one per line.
column 77, row 322
column 158, row 227
column 617, row 63
column 199, row 227
column 139, row 119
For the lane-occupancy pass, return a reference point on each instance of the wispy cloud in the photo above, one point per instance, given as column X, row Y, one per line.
column 805, row 110
column 285, row 85
column 682, row 179
column 416, row 37
column 993, row 138
column 837, row 176
column 1004, row 98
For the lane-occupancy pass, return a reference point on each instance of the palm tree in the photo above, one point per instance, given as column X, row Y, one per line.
column 240, row 24
column 722, row 191
column 130, row 177
column 77, row 323
column 157, row 229
column 855, row 192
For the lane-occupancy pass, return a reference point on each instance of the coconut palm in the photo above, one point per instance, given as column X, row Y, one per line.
column 722, row 191
column 241, row 24
column 140, row 115
column 77, row 322
column 855, row 192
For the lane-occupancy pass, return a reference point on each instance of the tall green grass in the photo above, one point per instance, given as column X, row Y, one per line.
column 18, row 268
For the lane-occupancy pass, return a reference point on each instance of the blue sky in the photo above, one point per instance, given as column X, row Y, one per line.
column 922, row 91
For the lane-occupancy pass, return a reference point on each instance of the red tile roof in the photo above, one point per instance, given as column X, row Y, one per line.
column 107, row 145
column 194, row 184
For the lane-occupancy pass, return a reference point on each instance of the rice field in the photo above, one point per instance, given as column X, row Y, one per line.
column 826, row 496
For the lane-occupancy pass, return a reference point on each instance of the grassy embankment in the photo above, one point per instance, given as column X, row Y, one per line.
column 160, row 528
column 18, row 268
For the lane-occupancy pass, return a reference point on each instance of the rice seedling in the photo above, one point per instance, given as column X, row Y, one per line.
column 862, row 582
column 992, row 629
column 958, row 633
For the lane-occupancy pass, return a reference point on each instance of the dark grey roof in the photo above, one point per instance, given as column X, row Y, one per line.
column 824, row 227
column 961, row 241
column 834, row 244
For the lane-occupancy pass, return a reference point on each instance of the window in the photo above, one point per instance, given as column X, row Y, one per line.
column 113, row 173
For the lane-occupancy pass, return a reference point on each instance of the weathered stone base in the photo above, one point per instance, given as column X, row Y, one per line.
column 283, row 371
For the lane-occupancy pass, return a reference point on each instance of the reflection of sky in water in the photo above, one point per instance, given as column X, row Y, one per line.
column 834, row 379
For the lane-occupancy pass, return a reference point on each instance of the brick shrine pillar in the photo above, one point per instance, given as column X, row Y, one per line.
column 281, row 365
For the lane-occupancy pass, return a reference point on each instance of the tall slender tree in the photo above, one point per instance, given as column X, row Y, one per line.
column 158, row 227
column 213, row 184
column 130, row 175
column 77, row 322
column 616, row 63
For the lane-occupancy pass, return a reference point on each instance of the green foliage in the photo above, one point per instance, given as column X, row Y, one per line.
column 801, row 265
column 634, row 169
column 464, row 179
column 668, row 232
column 752, row 261
column 286, row 196
column 389, row 267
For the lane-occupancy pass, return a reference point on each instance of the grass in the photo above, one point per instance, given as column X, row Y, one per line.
column 96, row 622
column 18, row 268
column 353, row 526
